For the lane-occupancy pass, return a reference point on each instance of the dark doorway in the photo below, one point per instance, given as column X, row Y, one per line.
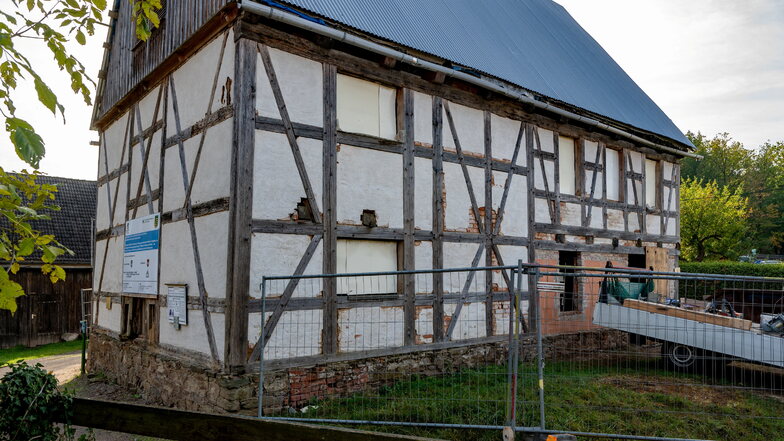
column 569, row 298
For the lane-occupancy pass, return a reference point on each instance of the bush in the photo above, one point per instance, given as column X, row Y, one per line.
column 31, row 404
column 734, row 268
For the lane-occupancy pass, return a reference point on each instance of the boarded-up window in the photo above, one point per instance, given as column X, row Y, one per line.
column 366, row 107
column 364, row 256
column 651, row 188
column 613, row 173
column 566, row 165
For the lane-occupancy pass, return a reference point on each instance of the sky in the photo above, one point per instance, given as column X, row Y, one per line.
column 712, row 65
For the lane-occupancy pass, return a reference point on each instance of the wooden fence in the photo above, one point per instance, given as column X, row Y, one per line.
column 183, row 425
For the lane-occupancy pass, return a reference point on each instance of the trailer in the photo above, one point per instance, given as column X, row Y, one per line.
column 689, row 337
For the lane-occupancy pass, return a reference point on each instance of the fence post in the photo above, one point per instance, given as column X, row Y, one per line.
column 261, row 344
column 539, row 350
column 512, row 350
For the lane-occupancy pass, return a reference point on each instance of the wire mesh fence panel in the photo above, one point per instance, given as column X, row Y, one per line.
column 422, row 347
column 660, row 354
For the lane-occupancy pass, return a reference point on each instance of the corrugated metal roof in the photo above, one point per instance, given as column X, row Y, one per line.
column 534, row 44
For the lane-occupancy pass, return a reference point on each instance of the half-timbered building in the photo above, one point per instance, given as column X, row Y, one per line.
column 316, row 137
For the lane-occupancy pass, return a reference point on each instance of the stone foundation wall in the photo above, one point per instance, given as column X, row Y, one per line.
column 173, row 380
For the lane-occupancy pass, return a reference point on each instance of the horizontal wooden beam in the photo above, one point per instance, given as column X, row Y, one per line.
column 160, row 422
column 202, row 209
column 377, row 233
column 383, row 301
column 601, row 233
column 275, row 125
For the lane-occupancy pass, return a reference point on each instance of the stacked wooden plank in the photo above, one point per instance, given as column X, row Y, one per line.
column 699, row 316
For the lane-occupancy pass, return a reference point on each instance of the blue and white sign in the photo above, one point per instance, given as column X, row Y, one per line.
column 140, row 259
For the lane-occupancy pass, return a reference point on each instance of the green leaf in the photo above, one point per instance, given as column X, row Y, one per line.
column 9, row 291
column 28, row 144
column 26, row 247
column 80, row 38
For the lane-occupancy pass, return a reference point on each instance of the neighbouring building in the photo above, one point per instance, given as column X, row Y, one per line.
column 290, row 137
column 49, row 310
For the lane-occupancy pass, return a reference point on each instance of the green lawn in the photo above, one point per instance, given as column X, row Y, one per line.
column 587, row 398
column 13, row 355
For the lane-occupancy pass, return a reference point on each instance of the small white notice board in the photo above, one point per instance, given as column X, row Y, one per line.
column 177, row 301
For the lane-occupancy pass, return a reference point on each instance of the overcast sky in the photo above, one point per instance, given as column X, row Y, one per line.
column 711, row 65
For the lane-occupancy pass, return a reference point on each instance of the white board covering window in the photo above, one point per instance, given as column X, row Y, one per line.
column 650, row 183
column 566, row 165
column 613, row 174
column 366, row 107
column 365, row 256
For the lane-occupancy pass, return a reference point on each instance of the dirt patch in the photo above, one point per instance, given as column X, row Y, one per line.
column 682, row 388
column 99, row 388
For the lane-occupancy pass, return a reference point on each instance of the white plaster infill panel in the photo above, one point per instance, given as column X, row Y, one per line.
column 423, row 118
column 504, row 139
column 369, row 180
column 213, row 175
column 193, row 83
column 297, row 334
column 361, row 329
column 469, row 125
column 277, row 186
column 459, row 213
column 301, row 84
column 177, row 261
column 423, row 194
column 279, row 255
column 194, row 336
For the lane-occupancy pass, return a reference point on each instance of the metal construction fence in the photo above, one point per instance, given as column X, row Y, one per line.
column 603, row 352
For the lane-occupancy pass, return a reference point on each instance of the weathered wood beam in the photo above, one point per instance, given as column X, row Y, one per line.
column 438, row 219
column 329, row 193
column 240, row 237
column 406, row 115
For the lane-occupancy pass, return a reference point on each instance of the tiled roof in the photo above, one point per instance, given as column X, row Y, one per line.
column 73, row 224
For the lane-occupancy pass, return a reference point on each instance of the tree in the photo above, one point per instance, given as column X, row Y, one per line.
column 23, row 201
column 53, row 23
column 765, row 185
column 724, row 160
column 713, row 220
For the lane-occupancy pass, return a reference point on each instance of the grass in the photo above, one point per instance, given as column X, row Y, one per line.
column 643, row 400
column 18, row 353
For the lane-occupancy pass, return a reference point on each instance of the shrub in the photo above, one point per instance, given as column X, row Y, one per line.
column 734, row 268
column 31, row 404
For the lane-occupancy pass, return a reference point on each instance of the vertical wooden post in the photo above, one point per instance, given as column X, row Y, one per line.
column 488, row 223
column 330, row 316
column 409, row 287
column 438, row 219
column 531, row 183
column 243, row 145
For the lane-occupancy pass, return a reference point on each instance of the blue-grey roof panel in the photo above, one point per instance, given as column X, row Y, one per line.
column 534, row 44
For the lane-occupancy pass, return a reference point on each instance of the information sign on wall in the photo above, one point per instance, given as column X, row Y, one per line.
column 140, row 258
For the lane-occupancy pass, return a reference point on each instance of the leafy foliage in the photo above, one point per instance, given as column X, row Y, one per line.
column 713, row 220
column 733, row 268
column 22, row 202
column 55, row 23
column 146, row 17
column 757, row 174
column 31, row 404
